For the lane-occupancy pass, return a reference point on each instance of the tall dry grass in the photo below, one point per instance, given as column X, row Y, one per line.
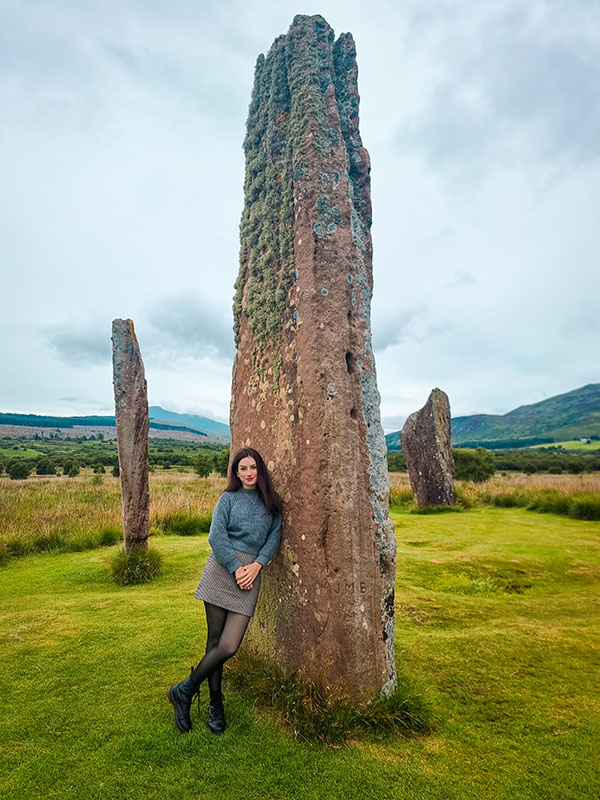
column 60, row 513
column 576, row 496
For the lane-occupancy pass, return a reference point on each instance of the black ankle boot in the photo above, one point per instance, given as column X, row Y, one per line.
column 216, row 713
column 181, row 696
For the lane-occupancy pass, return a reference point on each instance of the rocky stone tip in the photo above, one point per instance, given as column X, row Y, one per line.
column 301, row 19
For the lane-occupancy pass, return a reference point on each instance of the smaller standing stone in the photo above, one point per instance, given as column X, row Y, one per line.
column 426, row 447
column 131, row 417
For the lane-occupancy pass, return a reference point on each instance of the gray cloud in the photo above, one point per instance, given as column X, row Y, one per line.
column 584, row 321
column 91, row 404
column 393, row 330
column 189, row 325
column 461, row 278
column 518, row 86
column 78, row 345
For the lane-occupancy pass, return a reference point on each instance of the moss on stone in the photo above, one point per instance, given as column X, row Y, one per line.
column 287, row 104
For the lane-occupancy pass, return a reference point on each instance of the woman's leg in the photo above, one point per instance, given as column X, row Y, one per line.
column 227, row 643
column 227, row 646
column 215, row 622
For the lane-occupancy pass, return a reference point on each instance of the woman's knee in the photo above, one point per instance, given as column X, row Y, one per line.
column 228, row 649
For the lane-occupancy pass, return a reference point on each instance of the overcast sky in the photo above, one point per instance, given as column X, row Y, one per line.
column 121, row 125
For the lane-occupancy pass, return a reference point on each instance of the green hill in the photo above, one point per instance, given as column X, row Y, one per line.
column 193, row 421
column 571, row 415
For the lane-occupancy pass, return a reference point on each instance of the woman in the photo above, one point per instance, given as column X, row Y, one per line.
column 244, row 536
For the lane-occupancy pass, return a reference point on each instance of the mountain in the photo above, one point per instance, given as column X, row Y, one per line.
column 571, row 415
column 163, row 424
column 191, row 421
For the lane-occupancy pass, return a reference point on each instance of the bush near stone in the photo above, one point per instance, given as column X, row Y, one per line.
column 473, row 465
column 139, row 566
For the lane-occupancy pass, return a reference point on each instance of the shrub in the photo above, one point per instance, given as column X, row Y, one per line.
column 473, row 465
column 222, row 462
column 81, row 542
column 99, row 469
column 401, row 497
column 139, row 566
column 18, row 470
column 549, row 502
column 53, row 540
column 396, row 461
column 45, row 467
column 462, row 498
column 185, row 524
column 110, row 535
column 115, row 470
column 585, row 507
column 204, row 463
column 17, row 546
column 515, row 499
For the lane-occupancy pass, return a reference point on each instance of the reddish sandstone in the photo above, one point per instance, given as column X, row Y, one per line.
column 304, row 383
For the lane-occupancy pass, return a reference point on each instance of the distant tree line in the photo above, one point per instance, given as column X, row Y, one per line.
column 471, row 464
column 21, row 458
column 68, row 457
column 39, row 421
column 557, row 462
column 504, row 444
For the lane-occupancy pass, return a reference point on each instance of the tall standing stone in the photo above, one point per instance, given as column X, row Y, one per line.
column 304, row 384
column 425, row 440
column 131, row 416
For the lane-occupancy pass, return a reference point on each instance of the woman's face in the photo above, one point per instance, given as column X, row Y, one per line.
column 247, row 472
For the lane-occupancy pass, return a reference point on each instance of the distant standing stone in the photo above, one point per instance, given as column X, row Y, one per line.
column 131, row 416
column 426, row 447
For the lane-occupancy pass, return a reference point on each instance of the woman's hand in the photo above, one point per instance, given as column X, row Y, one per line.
column 245, row 576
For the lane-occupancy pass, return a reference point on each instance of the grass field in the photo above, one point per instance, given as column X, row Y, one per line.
column 571, row 444
column 497, row 611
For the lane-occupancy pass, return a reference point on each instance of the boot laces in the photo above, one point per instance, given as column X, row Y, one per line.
column 196, row 694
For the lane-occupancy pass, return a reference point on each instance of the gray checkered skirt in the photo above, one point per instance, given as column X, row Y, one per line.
column 218, row 586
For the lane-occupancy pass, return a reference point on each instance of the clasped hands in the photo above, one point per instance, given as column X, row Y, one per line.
column 245, row 576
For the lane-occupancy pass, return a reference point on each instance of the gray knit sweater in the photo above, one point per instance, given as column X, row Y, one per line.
column 239, row 521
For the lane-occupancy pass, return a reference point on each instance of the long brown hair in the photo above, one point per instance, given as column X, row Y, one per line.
column 264, row 486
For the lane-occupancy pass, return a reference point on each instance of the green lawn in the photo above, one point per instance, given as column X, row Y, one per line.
column 496, row 608
column 571, row 444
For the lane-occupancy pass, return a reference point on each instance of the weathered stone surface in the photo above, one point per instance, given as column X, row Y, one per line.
column 426, row 447
column 304, row 384
column 131, row 415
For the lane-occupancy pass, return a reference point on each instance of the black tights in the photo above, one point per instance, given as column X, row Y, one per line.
column 226, row 630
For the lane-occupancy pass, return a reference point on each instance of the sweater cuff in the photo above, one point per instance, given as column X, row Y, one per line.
column 234, row 564
column 262, row 560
